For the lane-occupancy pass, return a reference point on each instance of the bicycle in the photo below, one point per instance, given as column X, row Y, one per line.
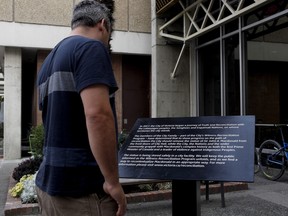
column 273, row 156
column 256, row 163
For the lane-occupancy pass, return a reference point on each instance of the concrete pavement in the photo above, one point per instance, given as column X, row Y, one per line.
column 263, row 198
column 6, row 169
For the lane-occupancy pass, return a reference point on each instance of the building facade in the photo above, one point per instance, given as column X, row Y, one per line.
column 224, row 57
column 171, row 58
column 31, row 28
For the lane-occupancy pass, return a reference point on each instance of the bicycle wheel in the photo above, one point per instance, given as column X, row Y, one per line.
column 256, row 163
column 271, row 159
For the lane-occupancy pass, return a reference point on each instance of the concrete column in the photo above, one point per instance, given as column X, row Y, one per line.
column 12, row 103
column 169, row 97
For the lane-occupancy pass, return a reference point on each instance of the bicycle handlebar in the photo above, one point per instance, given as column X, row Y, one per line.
column 272, row 125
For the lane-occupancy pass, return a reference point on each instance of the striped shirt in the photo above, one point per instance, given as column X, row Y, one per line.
column 68, row 167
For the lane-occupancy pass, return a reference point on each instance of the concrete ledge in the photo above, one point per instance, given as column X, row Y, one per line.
column 167, row 194
column 14, row 207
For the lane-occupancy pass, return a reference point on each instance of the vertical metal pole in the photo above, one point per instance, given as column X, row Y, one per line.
column 222, row 195
column 223, row 90
column 181, row 189
column 222, row 72
column 242, row 69
column 207, row 190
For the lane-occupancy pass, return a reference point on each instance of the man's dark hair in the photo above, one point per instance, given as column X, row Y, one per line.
column 89, row 13
column 85, row 14
column 110, row 4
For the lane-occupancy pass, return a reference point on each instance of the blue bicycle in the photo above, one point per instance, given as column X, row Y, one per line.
column 272, row 156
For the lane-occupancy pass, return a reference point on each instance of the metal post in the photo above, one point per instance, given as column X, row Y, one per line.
column 181, row 205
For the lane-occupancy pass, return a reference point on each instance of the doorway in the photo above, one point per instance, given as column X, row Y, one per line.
column 136, row 89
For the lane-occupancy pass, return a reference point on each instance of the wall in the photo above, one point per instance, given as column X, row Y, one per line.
column 170, row 97
column 130, row 15
column 35, row 25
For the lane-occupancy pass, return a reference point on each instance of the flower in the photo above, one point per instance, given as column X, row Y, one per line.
column 25, row 189
column 18, row 188
column 28, row 194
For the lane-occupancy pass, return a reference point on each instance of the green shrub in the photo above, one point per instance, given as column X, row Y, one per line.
column 36, row 140
column 122, row 138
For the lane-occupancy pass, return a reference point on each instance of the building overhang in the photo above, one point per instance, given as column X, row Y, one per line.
column 46, row 37
column 201, row 16
column 185, row 22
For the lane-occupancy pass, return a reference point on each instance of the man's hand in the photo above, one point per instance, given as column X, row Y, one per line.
column 117, row 193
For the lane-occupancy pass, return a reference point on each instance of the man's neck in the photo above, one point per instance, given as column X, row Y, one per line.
column 85, row 32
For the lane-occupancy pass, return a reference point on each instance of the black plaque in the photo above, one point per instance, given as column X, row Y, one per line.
column 216, row 148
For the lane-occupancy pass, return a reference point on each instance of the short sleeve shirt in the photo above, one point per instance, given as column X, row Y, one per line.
column 68, row 167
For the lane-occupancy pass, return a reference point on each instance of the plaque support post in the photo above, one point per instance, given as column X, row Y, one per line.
column 186, row 198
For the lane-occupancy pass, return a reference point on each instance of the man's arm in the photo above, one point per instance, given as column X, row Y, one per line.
column 102, row 137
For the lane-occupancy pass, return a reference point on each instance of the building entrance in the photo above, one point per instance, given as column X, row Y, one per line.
column 241, row 66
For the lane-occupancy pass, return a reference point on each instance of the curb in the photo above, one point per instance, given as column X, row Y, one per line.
column 14, row 207
column 167, row 194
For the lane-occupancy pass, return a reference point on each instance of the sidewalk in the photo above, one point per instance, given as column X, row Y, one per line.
column 6, row 168
column 262, row 198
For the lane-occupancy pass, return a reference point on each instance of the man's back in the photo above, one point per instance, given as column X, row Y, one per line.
column 69, row 163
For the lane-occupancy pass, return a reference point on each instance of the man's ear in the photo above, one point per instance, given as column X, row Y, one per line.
column 102, row 25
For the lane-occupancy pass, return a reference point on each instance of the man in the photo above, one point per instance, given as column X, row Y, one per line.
column 79, row 172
